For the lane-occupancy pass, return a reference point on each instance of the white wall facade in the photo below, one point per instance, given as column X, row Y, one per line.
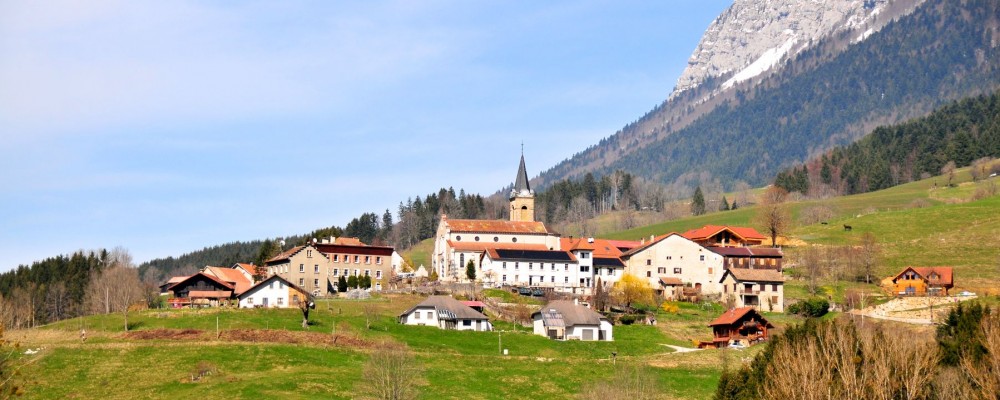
column 422, row 316
column 678, row 257
column 275, row 294
column 566, row 276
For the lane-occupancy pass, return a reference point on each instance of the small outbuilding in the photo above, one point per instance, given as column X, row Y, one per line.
column 446, row 313
column 567, row 320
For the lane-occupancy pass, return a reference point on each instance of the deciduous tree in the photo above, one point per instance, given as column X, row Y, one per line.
column 772, row 215
column 392, row 373
column 631, row 290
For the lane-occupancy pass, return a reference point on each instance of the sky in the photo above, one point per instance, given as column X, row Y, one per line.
column 168, row 126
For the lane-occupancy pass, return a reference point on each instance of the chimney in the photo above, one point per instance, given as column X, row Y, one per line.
column 651, row 237
column 642, row 241
column 590, row 240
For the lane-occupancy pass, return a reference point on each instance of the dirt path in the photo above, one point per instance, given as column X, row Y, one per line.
column 913, row 310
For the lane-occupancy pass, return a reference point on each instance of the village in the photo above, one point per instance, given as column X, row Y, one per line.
column 730, row 266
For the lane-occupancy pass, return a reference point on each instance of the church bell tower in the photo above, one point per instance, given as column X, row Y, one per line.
column 522, row 198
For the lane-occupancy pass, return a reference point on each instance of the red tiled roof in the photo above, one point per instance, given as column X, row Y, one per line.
column 240, row 281
column 624, row 245
column 483, row 246
column 575, row 244
column 731, row 316
column 708, row 231
column 285, row 254
column 601, row 247
column 645, row 246
column 348, row 241
column 496, row 226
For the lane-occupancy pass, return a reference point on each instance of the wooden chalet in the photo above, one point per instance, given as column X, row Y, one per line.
column 920, row 281
column 200, row 290
column 742, row 325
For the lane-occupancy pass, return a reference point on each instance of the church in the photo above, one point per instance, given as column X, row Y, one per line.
column 459, row 240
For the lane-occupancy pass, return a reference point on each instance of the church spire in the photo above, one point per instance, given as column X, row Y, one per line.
column 521, row 185
column 522, row 199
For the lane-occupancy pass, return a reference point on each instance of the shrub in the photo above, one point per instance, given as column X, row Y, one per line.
column 815, row 307
column 627, row 319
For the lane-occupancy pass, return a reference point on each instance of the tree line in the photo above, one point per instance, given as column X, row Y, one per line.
column 962, row 133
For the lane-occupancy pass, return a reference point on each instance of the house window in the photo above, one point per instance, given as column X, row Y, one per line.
column 281, row 285
column 316, row 269
column 677, row 270
column 336, row 258
column 670, row 257
column 584, row 268
column 430, row 315
column 357, row 259
column 416, row 315
column 249, row 301
column 552, row 279
column 649, row 274
column 302, row 281
column 504, row 265
column 566, row 267
column 517, row 265
column 336, row 272
column 649, row 262
column 530, row 266
column 357, row 271
column 466, row 322
column 461, row 259
column 584, row 255
column 368, row 272
column 661, row 270
column 378, row 274
column 378, row 260
column 762, row 287
column 774, row 287
column 476, row 238
column 553, row 266
column 309, row 254
column 458, row 238
column 513, row 240
column 378, row 286
column 566, row 280
column 302, row 268
column 496, row 238
column 316, row 283
column 701, row 257
column 368, row 259
column 505, row 278
column 281, row 301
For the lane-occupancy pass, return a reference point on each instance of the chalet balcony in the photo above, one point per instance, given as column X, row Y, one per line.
column 753, row 292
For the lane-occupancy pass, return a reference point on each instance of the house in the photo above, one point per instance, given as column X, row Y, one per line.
column 763, row 289
column 560, row 270
column 675, row 256
column 725, row 236
column 304, row 266
column 251, row 270
column 920, row 281
column 671, row 288
column 742, row 325
column 273, row 292
column 606, row 255
column 750, row 257
column 567, row 320
column 200, row 290
column 170, row 282
column 317, row 266
column 445, row 312
column 458, row 241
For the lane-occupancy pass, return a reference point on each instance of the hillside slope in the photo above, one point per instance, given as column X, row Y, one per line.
column 941, row 52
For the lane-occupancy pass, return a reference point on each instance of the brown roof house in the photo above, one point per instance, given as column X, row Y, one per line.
column 743, row 325
column 567, row 320
column 763, row 289
column 446, row 313
column 200, row 290
column 920, row 281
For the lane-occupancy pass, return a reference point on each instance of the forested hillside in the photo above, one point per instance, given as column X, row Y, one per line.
column 956, row 135
column 941, row 52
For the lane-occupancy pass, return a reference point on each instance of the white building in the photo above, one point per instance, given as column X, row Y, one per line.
column 762, row 289
column 445, row 312
column 566, row 320
column 273, row 292
column 674, row 256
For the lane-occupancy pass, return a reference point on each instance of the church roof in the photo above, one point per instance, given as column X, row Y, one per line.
column 521, row 185
column 495, row 226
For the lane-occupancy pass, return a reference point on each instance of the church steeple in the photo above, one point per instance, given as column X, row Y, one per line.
column 522, row 199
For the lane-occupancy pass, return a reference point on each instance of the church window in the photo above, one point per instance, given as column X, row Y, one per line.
column 477, row 238
column 458, row 238
column 513, row 240
column 496, row 238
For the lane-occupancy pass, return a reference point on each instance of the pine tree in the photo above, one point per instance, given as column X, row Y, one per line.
column 698, row 203
column 470, row 270
column 352, row 281
column 342, row 284
column 725, row 204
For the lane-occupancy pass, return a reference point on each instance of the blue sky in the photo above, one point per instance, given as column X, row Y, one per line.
column 168, row 126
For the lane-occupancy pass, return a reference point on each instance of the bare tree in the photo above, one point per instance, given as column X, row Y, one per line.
column 115, row 289
column 371, row 314
column 810, row 263
column 392, row 373
column 985, row 373
column 772, row 215
column 630, row 382
column 868, row 255
column 949, row 171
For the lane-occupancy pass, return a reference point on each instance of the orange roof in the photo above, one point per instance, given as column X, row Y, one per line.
column 708, row 231
column 624, row 244
column 575, row 244
column 239, row 281
column 601, row 247
column 671, row 281
column 350, row 241
column 285, row 254
column 642, row 247
column 494, row 226
column 483, row 246
column 732, row 316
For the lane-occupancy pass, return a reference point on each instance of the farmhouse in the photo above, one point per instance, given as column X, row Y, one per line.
column 566, row 320
column 725, row 236
column 743, row 325
column 273, row 292
column 445, row 312
column 200, row 290
column 240, row 279
column 920, row 281
column 677, row 257
column 763, row 289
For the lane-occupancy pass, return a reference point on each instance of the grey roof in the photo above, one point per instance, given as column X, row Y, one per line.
column 754, row 275
column 447, row 306
column 572, row 314
column 521, row 185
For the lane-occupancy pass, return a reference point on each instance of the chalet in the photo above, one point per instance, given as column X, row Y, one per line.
column 762, row 289
column 725, row 236
column 567, row 320
column 920, row 281
column 273, row 292
column 170, row 282
column 675, row 256
column 200, row 290
column 445, row 312
column 743, row 325
column 239, row 279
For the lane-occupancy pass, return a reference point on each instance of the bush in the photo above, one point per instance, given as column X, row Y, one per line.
column 627, row 319
column 815, row 307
